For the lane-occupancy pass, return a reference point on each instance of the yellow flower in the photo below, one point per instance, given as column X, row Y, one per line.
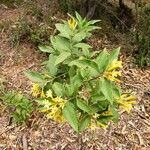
column 112, row 72
column 59, row 102
column 72, row 23
column 125, row 102
column 46, row 105
column 56, row 114
column 102, row 125
column 107, row 113
column 93, row 125
column 49, row 94
column 53, row 108
column 42, row 94
column 36, row 90
column 115, row 65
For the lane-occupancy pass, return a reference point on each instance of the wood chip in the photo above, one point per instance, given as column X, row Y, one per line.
column 141, row 141
column 24, row 142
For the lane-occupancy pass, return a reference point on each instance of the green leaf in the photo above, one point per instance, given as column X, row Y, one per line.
column 84, row 63
column 76, row 81
column 69, row 89
column 98, row 97
column 83, row 46
column 83, row 106
column 22, row 107
column 71, row 115
column 116, row 91
column 102, row 60
column 72, row 71
column 104, row 119
column 103, row 105
column 106, row 88
column 84, row 123
column 78, row 16
column 115, row 117
column 85, row 73
column 114, row 55
column 58, row 88
column 45, row 48
column 94, row 108
column 60, row 44
column 34, row 76
column 63, row 56
column 78, row 37
column 52, row 69
column 64, row 30
column 91, row 28
column 91, row 22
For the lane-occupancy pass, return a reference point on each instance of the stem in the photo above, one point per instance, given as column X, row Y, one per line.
column 94, row 78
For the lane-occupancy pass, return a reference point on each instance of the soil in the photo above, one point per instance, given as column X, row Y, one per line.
column 132, row 131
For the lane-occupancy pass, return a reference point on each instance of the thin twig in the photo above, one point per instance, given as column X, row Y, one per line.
column 7, row 130
column 24, row 142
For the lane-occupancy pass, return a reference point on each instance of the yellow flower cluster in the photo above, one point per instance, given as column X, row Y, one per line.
column 37, row 91
column 72, row 23
column 53, row 107
column 125, row 102
column 112, row 72
column 94, row 123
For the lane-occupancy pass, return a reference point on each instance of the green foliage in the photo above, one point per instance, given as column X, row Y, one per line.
column 143, row 37
column 69, row 5
column 32, row 9
column 85, row 81
column 33, row 25
column 70, row 114
column 20, row 31
column 20, row 107
column 26, row 30
column 11, row 3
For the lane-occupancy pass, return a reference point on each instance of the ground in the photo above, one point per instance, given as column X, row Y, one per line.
column 131, row 133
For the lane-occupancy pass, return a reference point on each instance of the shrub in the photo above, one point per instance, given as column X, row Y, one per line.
column 78, row 85
column 24, row 30
column 19, row 106
column 143, row 37
column 20, row 31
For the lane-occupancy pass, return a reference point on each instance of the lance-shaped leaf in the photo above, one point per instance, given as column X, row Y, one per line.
column 60, row 44
column 84, row 63
column 114, row 55
column 102, row 60
column 45, row 48
column 34, row 76
column 78, row 37
column 52, row 69
column 63, row 56
column 83, row 106
column 64, row 30
column 83, row 46
column 58, row 88
column 85, row 121
column 71, row 115
column 106, row 88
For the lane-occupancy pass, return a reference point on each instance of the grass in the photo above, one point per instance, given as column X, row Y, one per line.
column 11, row 3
